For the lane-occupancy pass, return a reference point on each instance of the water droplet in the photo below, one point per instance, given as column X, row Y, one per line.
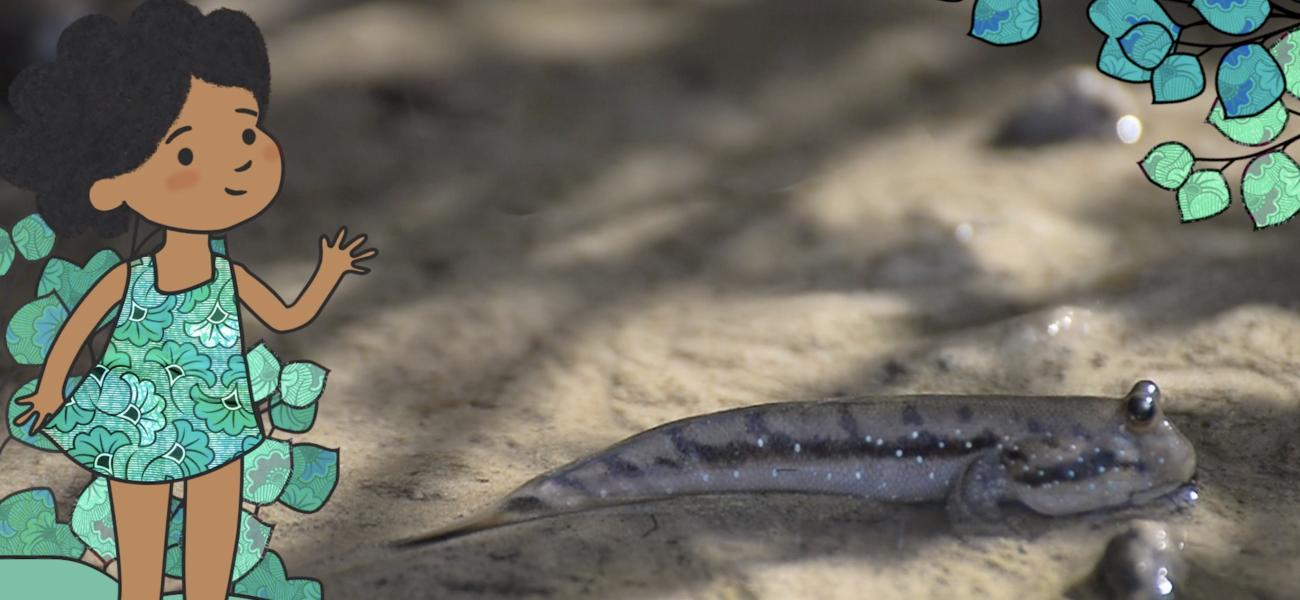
column 1129, row 129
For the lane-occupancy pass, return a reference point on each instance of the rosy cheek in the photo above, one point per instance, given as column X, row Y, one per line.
column 271, row 152
column 182, row 180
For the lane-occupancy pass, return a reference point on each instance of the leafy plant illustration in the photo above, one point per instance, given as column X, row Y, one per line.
column 300, row 476
column 1258, row 67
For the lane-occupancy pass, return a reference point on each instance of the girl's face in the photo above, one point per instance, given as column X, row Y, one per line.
column 212, row 171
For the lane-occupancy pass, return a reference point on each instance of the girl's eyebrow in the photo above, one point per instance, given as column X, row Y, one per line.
column 176, row 133
column 246, row 111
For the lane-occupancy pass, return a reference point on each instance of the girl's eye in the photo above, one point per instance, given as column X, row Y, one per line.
column 185, row 156
column 249, row 136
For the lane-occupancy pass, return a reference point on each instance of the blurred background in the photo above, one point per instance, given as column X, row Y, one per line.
column 596, row 216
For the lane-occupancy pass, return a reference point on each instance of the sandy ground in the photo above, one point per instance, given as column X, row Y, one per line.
column 596, row 217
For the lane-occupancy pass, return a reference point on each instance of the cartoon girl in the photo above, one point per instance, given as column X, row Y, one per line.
column 161, row 119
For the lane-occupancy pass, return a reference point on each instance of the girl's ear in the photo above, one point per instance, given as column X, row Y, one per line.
column 107, row 194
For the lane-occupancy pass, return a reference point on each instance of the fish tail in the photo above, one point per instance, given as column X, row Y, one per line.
column 516, row 509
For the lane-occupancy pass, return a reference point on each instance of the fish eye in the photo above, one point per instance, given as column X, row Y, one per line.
column 185, row 156
column 1141, row 402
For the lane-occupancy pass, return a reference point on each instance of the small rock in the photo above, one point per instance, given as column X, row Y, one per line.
column 1078, row 105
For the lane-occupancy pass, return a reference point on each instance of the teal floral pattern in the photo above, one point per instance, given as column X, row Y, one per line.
column 170, row 399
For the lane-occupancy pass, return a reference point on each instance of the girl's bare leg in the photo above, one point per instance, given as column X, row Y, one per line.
column 140, row 520
column 211, row 526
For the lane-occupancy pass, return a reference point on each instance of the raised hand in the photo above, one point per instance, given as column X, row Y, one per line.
column 339, row 258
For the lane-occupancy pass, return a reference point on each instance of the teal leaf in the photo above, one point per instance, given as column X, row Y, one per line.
column 33, row 328
column 1271, row 189
column 29, row 527
column 23, row 434
column 33, row 237
column 263, row 372
column 266, row 471
column 70, row 282
column 1177, row 78
column 301, row 383
column 92, row 519
column 315, row 473
column 267, row 580
column 1168, row 165
column 1233, row 17
column 49, row 578
column 1005, row 22
column 1286, row 51
column 1249, row 80
column 291, row 418
column 1114, row 63
column 1114, row 17
column 7, row 251
column 173, row 560
column 1146, row 44
column 1204, row 195
column 250, row 545
column 1251, row 131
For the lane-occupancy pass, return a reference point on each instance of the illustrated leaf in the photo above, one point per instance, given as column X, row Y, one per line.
column 70, row 282
column 315, row 473
column 266, row 471
column 1168, row 165
column 1286, row 51
column 267, row 580
column 1251, row 131
column 33, row 238
column 291, row 418
column 263, row 371
column 22, row 434
column 1177, row 78
column 1271, row 189
column 7, row 251
column 1233, row 17
column 92, row 519
column 1146, row 44
column 1204, row 195
column 33, row 328
column 1249, row 80
column 301, row 383
column 250, row 544
column 173, row 560
column 1112, row 62
column 1005, row 22
column 1114, row 17
column 42, row 578
column 29, row 527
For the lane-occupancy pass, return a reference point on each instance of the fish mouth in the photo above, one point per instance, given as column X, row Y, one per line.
column 236, row 192
column 1183, row 495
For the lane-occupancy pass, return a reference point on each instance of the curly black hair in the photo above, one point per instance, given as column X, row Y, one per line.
column 101, row 108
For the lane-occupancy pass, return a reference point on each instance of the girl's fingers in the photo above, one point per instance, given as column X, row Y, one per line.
column 367, row 255
column 358, row 270
column 45, row 419
column 27, row 414
column 354, row 244
column 324, row 242
column 343, row 234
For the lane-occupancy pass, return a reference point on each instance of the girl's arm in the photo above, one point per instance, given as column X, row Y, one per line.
column 336, row 260
column 106, row 294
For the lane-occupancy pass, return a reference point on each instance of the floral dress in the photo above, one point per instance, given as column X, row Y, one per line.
column 170, row 397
